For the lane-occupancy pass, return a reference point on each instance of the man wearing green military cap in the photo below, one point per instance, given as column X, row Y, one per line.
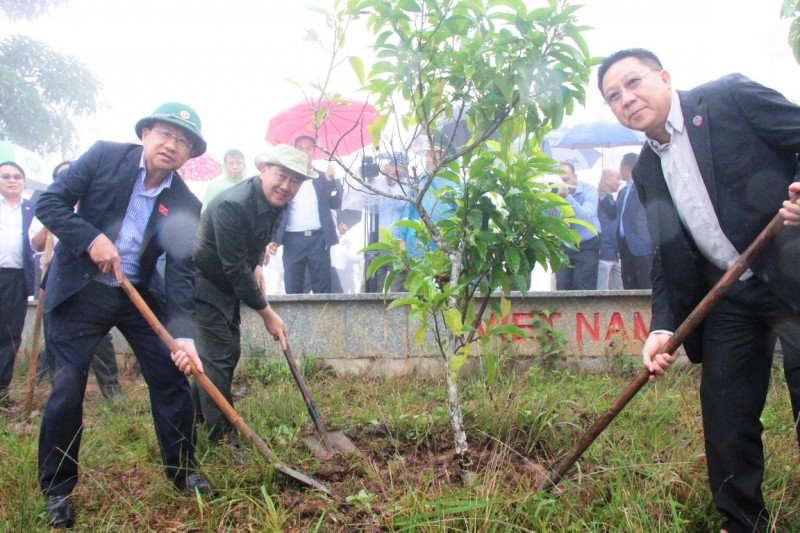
column 132, row 207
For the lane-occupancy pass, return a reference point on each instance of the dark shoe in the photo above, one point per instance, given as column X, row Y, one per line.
column 7, row 406
column 112, row 392
column 232, row 440
column 5, row 399
column 240, row 393
column 58, row 511
column 234, row 447
column 194, row 483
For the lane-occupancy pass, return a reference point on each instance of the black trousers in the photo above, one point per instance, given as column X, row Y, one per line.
column 582, row 274
column 76, row 327
column 219, row 347
column 738, row 345
column 635, row 268
column 104, row 362
column 302, row 251
column 14, row 300
column 104, row 365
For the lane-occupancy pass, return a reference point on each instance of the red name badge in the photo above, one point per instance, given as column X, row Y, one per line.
column 163, row 210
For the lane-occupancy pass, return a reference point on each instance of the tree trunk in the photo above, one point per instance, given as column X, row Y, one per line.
column 457, row 418
column 453, row 397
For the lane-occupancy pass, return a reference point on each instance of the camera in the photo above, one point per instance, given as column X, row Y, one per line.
column 369, row 168
column 555, row 182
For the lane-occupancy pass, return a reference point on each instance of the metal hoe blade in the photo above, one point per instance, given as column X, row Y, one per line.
column 324, row 444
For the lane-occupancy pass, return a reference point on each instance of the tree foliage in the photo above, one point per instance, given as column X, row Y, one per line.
column 27, row 9
column 41, row 90
column 484, row 80
column 791, row 10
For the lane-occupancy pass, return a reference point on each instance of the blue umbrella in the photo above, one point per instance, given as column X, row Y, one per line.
column 582, row 158
column 600, row 134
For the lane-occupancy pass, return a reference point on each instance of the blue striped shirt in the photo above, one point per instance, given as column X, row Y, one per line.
column 129, row 240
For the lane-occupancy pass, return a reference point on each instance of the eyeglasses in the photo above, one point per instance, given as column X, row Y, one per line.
column 291, row 177
column 181, row 142
column 614, row 96
column 15, row 177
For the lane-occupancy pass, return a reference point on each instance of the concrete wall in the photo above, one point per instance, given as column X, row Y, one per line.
column 356, row 334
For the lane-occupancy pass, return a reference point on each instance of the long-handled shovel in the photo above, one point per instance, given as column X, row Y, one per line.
column 326, row 443
column 217, row 396
column 692, row 321
column 33, row 355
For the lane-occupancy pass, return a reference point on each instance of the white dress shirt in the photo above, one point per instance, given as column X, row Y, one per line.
column 11, row 233
column 303, row 211
column 689, row 192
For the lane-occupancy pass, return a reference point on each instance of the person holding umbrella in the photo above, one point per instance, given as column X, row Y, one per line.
column 581, row 273
column 718, row 163
column 132, row 208
column 234, row 232
column 308, row 230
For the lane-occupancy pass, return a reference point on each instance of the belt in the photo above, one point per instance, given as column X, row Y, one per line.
column 8, row 269
column 306, row 233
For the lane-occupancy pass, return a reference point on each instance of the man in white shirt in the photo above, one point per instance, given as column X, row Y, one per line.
column 17, row 224
column 717, row 166
column 307, row 230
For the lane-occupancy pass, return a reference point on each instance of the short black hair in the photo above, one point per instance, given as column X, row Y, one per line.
column 15, row 165
column 569, row 165
column 629, row 160
column 58, row 169
column 305, row 137
column 233, row 152
column 643, row 55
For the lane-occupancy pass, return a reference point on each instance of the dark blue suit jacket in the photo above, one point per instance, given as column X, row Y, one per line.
column 745, row 138
column 607, row 214
column 634, row 221
column 100, row 183
column 328, row 197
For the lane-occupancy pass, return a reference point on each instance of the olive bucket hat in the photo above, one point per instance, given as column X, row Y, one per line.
column 179, row 115
column 289, row 158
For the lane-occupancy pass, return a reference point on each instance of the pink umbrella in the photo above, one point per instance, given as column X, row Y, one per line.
column 340, row 126
column 203, row 168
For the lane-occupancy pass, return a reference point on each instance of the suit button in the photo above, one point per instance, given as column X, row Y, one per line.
column 86, row 276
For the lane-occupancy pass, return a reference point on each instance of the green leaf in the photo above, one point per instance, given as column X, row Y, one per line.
column 491, row 367
column 403, row 301
column 509, row 329
column 419, row 334
column 512, row 258
column 358, row 67
column 505, row 307
column 376, row 129
column 453, row 319
column 475, row 219
column 456, row 362
column 377, row 263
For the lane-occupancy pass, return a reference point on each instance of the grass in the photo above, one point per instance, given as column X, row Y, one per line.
column 645, row 473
